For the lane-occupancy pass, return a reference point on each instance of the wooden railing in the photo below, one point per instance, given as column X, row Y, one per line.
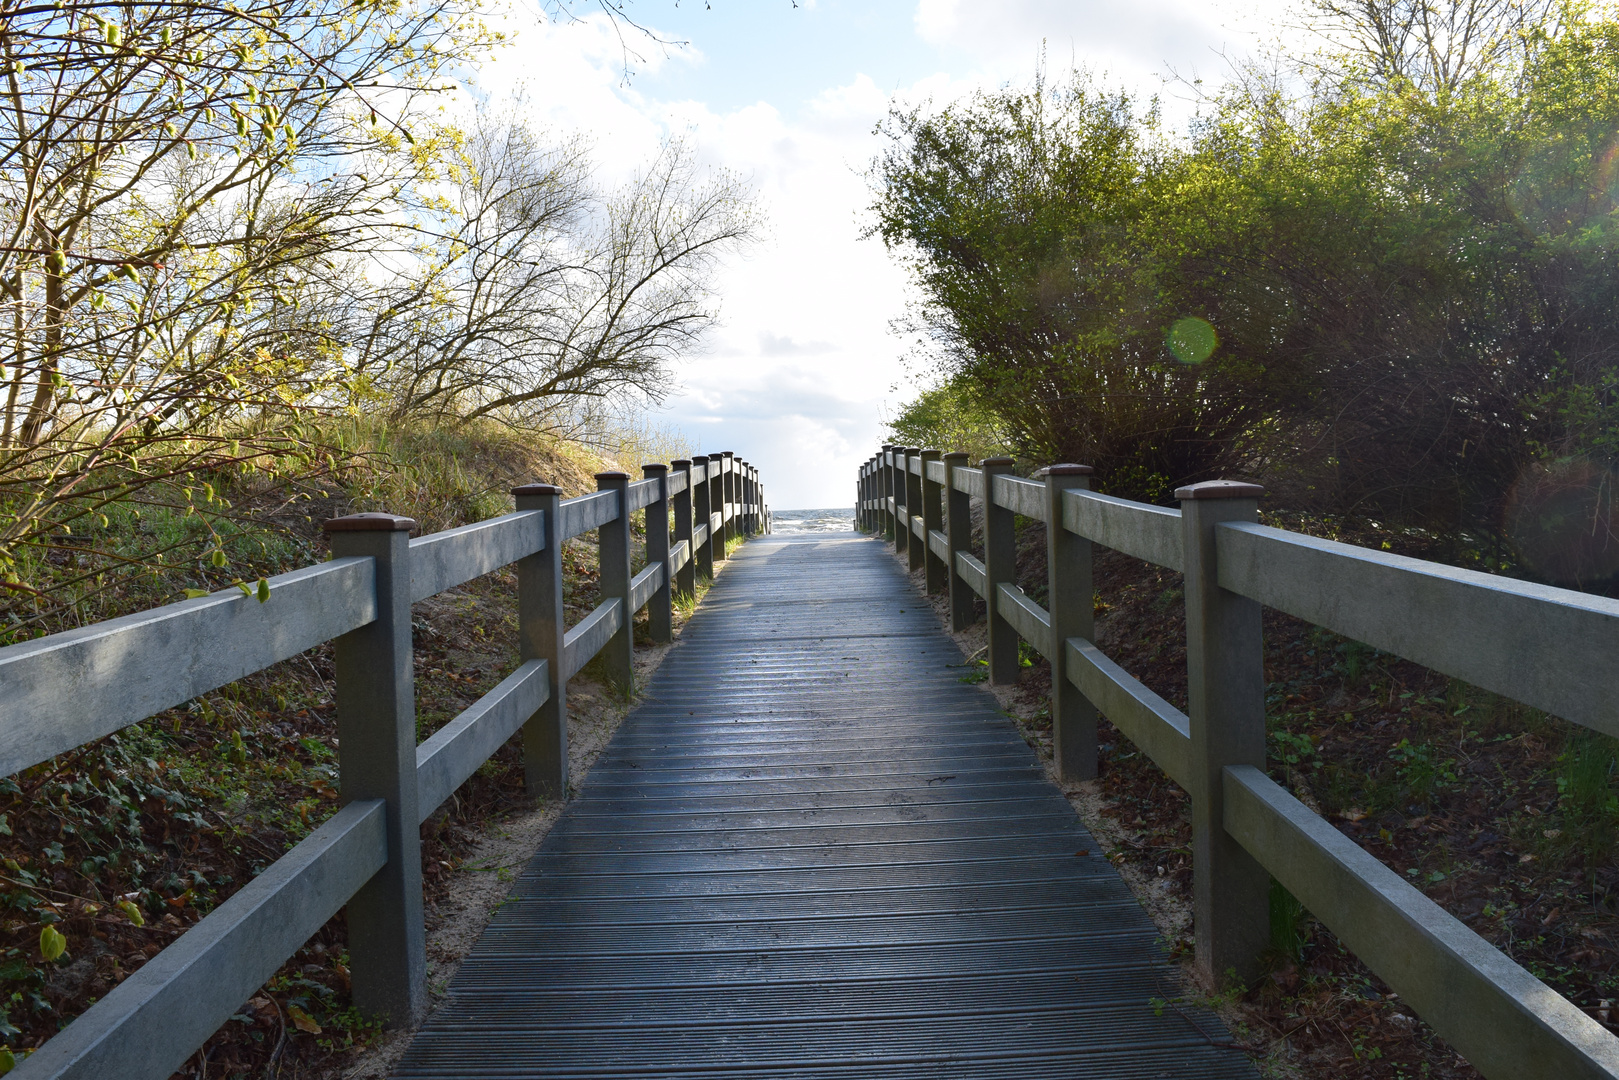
column 61, row 691
column 1549, row 648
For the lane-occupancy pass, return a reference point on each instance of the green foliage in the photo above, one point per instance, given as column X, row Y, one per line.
column 1382, row 285
column 1287, row 924
column 1587, row 799
column 950, row 417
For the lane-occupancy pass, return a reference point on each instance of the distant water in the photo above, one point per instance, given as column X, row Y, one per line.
column 840, row 519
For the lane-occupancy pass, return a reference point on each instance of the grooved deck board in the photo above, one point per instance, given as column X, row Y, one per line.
column 813, row 852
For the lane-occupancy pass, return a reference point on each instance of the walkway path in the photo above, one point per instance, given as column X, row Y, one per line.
column 814, row 852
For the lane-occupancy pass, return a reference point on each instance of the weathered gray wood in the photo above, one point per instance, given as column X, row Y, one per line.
column 643, row 493
column 1158, row 729
column 1547, row 647
column 541, row 633
column 972, row 572
column 646, row 583
column 1028, row 618
column 376, row 727
column 1000, row 565
column 1508, row 1024
column 937, row 471
column 958, row 527
column 936, row 573
column 702, row 509
column 1071, row 604
column 939, row 545
column 1225, row 696
column 70, row 688
column 147, row 1025
column 660, row 602
column 684, row 572
column 587, row 512
column 443, row 560
column 968, row 481
column 593, row 631
column 918, row 529
column 1021, row 496
column 456, row 750
column 613, row 559
column 1152, row 533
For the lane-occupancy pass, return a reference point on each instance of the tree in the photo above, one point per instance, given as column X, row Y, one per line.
column 542, row 293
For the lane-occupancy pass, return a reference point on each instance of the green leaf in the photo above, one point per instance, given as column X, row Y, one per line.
column 131, row 912
column 196, row 594
column 51, row 943
column 8, row 1060
column 247, row 590
column 264, row 590
column 218, row 557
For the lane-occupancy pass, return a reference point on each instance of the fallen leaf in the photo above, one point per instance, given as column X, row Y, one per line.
column 302, row 1020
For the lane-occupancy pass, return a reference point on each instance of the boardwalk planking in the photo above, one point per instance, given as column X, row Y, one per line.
column 814, row 852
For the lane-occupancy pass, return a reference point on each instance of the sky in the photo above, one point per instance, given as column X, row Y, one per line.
column 805, row 365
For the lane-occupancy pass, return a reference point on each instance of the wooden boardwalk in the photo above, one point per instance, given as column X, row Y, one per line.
column 814, row 852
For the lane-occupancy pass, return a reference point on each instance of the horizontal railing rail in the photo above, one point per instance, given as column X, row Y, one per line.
column 64, row 690
column 1546, row 647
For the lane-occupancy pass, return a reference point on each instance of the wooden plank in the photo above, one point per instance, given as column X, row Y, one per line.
column 1158, row 729
column 811, row 851
column 149, row 1024
column 446, row 559
column 969, row 481
column 679, row 556
column 456, row 750
column 1507, row 1023
column 1028, row 618
column 588, row 512
column 937, row 471
column 972, row 572
column 1021, row 496
column 68, row 689
column 593, row 631
column 644, row 584
column 642, row 493
column 1550, row 648
column 939, row 544
column 1152, row 533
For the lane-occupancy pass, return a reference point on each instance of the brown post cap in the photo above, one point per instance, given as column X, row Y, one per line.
column 911, row 449
column 1220, row 489
column 654, row 468
column 992, row 462
column 1066, row 469
column 932, row 451
column 536, row 489
column 610, row 476
column 680, row 463
column 956, row 454
column 373, row 522
column 699, row 457
column 726, row 453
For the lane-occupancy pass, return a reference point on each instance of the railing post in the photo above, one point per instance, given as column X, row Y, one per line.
column 897, row 491
column 725, row 495
column 916, row 547
column 541, row 624
column 1070, row 599
column 613, row 547
column 376, row 729
column 932, row 499
column 1000, row 564
column 686, row 579
column 890, row 501
column 958, row 523
column 863, row 496
column 746, row 498
column 1226, row 707
column 702, row 513
column 660, row 608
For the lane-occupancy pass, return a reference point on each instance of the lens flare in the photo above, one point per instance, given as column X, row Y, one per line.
column 1562, row 520
column 1192, row 340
